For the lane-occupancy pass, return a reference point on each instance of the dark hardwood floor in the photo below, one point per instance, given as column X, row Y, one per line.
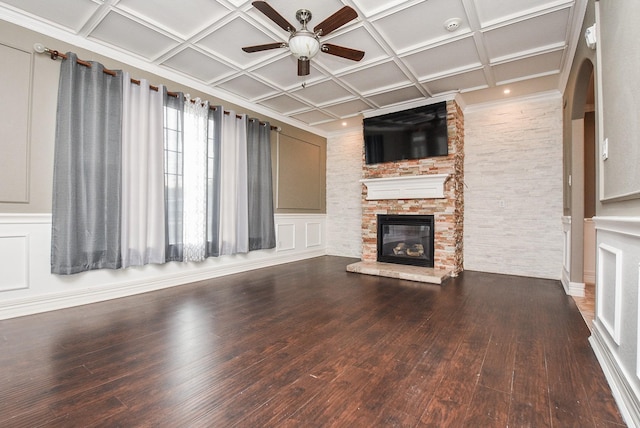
column 308, row 344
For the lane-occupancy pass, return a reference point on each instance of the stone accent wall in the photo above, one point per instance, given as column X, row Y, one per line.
column 513, row 193
column 448, row 212
column 344, row 171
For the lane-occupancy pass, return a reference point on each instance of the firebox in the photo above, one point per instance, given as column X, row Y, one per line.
column 406, row 239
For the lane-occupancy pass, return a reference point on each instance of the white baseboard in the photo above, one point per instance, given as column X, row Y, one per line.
column 576, row 289
column 571, row 288
column 621, row 389
column 44, row 303
column 27, row 286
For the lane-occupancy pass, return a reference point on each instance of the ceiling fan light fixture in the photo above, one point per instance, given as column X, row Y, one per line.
column 304, row 44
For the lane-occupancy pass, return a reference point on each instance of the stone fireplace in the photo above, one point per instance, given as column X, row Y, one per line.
column 431, row 186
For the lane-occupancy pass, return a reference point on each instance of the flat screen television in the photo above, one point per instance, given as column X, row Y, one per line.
column 415, row 133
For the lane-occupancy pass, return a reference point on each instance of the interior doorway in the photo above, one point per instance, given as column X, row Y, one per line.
column 585, row 91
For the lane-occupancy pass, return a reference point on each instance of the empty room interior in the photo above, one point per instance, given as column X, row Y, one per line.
column 319, row 213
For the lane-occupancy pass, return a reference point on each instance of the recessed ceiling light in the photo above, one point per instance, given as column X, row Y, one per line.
column 344, row 123
column 507, row 91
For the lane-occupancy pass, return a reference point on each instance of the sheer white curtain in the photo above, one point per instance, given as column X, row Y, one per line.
column 196, row 116
column 143, row 221
column 234, row 217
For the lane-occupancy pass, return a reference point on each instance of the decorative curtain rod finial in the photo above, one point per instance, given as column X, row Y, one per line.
column 40, row 48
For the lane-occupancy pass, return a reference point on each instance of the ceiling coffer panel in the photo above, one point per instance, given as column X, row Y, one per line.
column 364, row 54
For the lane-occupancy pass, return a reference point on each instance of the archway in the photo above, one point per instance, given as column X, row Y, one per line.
column 582, row 187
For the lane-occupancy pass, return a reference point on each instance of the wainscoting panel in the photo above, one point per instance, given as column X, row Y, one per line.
column 14, row 262
column 314, row 234
column 28, row 287
column 566, row 253
column 286, row 236
column 610, row 289
column 616, row 330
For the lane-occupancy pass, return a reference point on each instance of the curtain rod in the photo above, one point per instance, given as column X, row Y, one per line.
column 40, row 48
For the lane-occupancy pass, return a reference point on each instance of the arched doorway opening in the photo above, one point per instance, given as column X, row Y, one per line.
column 583, row 188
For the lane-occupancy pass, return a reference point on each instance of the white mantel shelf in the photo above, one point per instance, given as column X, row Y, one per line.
column 429, row 186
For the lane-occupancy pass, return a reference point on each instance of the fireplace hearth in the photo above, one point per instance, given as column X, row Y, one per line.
column 406, row 239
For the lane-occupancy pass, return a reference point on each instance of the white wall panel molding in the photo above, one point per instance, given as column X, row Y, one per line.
column 566, row 254
column 10, row 218
column 623, row 225
column 616, row 334
column 313, row 234
column 49, row 292
column 624, row 392
column 610, row 289
column 14, row 262
column 285, row 237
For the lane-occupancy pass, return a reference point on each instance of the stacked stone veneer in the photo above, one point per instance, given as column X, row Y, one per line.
column 448, row 211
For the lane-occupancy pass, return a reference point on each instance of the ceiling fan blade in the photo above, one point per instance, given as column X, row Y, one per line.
column 336, row 20
column 266, row 47
column 273, row 15
column 303, row 67
column 341, row 51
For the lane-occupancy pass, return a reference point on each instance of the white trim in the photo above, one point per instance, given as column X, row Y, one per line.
column 566, row 253
column 43, row 303
column 613, row 330
column 48, row 292
column 638, row 328
column 623, row 392
column 11, row 218
column 623, row 225
column 308, row 242
column 426, row 186
column 576, row 289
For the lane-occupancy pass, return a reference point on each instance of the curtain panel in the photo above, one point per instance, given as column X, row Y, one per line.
column 142, row 176
column 85, row 231
column 143, row 239
column 262, row 233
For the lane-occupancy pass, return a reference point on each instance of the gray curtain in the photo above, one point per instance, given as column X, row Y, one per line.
column 173, row 175
column 262, row 233
column 87, row 169
column 213, row 181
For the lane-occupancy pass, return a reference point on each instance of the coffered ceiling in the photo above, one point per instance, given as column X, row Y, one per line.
column 411, row 58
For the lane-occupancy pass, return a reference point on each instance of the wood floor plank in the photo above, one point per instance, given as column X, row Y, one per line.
column 530, row 398
column 309, row 344
column 488, row 408
column 453, row 395
column 498, row 367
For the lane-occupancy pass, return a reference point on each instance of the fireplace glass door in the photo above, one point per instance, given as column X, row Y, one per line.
column 406, row 239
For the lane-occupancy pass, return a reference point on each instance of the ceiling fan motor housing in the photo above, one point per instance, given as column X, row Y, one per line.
column 303, row 16
column 303, row 43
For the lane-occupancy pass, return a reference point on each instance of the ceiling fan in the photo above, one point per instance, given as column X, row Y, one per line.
column 303, row 43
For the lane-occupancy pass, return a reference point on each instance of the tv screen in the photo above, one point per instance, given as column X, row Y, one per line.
column 416, row 133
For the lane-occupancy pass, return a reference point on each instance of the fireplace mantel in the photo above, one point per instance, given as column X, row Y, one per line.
column 429, row 186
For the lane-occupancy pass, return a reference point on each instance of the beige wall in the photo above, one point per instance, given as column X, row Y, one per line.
column 620, row 62
column 26, row 149
column 616, row 59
